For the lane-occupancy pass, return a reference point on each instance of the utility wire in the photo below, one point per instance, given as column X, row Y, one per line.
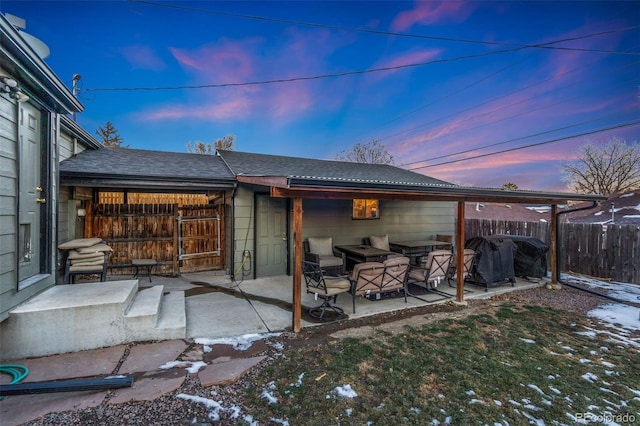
column 509, row 141
column 619, row 126
column 342, row 74
column 485, row 103
column 379, row 32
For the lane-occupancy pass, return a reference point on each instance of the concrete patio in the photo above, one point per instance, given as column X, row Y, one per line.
column 205, row 305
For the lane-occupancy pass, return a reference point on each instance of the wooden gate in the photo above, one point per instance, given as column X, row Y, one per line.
column 199, row 238
column 180, row 239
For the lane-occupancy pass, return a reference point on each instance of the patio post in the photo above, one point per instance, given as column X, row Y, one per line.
column 297, row 264
column 460, row 253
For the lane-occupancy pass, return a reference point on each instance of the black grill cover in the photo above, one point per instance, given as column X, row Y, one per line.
column 531, row 256
column 494, row 260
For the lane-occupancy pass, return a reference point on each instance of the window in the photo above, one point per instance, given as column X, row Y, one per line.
column 366, row 209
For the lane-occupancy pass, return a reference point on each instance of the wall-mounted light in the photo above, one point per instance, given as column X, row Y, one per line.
column 82, row 212
column 10, row 86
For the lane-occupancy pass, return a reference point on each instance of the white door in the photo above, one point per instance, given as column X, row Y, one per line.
column 31, row 193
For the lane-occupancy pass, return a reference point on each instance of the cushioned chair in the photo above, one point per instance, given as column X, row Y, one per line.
column 468, row 259
column 325, row 288
column 445, row 239
column 86, row 256
column 320, row 250
column 434, row 270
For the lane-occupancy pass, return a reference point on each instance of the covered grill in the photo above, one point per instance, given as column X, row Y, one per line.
column 531, row 256
column 494, row 261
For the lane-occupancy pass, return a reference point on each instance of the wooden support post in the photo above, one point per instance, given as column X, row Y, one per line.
column 460, row 254
column 553, row 245
column 297, row 264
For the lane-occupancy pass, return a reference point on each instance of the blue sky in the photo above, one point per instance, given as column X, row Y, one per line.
column 433, row 81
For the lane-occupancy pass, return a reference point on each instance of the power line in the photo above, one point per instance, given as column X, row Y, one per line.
column 619, row 126
column 342, row 74
column 386, row 33
column 509, row 140
column 486, row 103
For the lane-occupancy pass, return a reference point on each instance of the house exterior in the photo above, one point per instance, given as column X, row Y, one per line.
column 35, row 135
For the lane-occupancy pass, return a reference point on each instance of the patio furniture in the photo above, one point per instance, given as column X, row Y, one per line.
column 86, row 256
column 325, row 288
column 371, row 279
column 381, row 242
column 360, row 253
column 320, row 250
column 468, row 258
column 416, row 248
column 432, row 271
column 148, row 264
column 445, row 239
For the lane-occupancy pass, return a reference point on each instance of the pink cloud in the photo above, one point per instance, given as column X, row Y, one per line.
column 142, row 57
column 428, row 12
column 226, row 61
column 235, row 108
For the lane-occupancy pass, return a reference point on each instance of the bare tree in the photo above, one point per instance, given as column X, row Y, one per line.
column 608, row 169
column 373, row 152
column 223, row 143
column 509, row 186
column 109, row 136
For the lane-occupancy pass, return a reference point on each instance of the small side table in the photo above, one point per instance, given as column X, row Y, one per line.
column 145, row 263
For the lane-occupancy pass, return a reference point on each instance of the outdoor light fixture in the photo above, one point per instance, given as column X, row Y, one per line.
column 10, row 86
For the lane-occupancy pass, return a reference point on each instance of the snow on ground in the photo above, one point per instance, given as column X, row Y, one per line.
column 611, row 312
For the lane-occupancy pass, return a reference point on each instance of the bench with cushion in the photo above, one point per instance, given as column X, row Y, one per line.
column 374, row 278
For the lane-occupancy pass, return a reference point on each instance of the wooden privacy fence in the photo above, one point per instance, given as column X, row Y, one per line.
column 179, row 238
column 603, row 251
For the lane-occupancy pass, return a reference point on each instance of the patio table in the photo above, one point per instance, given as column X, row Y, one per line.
column 359, row 253
column 416, row 248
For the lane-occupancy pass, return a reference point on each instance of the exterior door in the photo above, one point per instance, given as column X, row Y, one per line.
column 30, row 193
column 271, row 236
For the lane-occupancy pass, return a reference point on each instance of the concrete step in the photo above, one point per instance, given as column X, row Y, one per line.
column 68, row 318
column 156, row 315
column 143, row 311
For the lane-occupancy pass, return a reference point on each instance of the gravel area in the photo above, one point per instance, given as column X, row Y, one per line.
column 194, row 404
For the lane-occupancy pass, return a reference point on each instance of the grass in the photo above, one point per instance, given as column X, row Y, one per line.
column 513, row 365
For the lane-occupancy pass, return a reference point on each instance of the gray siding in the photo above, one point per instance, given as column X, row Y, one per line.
column 244, row 228
column 401, row 220
column 8, row 208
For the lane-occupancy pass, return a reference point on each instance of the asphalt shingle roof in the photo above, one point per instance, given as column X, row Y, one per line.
column 250, row 164
column 138, row 163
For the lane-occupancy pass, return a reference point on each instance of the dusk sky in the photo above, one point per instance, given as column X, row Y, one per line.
column 435, row 82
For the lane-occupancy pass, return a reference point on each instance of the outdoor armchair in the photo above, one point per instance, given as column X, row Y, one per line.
column 433, row 271
column 320, row 250
column 325, row 288
column 468, row 259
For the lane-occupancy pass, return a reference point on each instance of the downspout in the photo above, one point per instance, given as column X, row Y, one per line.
column 594, row 205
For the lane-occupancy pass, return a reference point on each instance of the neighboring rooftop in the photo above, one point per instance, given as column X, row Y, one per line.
column 621, row 209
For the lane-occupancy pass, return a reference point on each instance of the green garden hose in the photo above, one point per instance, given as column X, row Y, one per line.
column 17, row 372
